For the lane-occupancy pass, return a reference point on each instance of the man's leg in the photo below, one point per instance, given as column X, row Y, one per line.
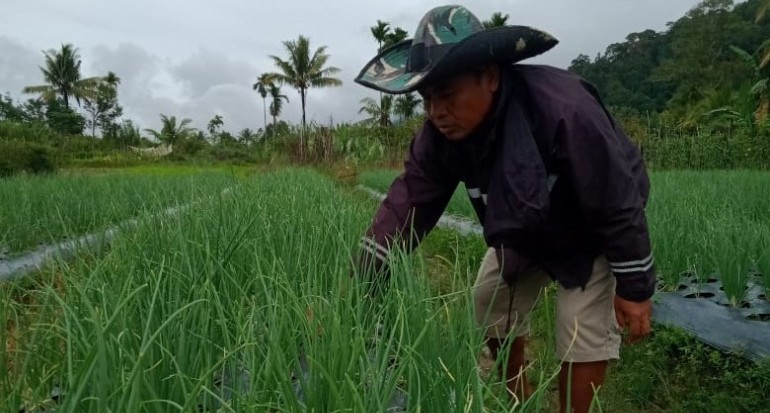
column 513, row 372
column 586, row 378
column 504, row 312
column 587, row 336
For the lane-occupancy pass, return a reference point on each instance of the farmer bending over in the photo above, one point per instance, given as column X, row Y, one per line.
column 558, row 187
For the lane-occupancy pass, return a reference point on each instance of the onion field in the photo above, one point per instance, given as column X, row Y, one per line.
column 246, row 301
column 41, row 210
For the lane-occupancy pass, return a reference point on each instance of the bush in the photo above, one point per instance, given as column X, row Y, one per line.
column 741, row 150
column 65, row 120
column 17, row 157
column 32, row 132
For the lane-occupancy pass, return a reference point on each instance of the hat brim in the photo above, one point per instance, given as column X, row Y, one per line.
column 387, row 73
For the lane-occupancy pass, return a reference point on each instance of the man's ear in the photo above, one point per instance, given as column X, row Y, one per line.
column 491, row 78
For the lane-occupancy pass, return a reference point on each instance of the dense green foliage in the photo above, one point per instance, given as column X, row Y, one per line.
column 17, row 157
column 695, row 95
column 688, row 70
column 47, row 209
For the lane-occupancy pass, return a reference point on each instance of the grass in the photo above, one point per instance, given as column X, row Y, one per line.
column 714, row 224
column 167, row 169
column 231, row 291
column 37, row 210
column 380, row 180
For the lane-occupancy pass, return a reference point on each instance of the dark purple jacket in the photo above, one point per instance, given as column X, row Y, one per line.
column 552, row 177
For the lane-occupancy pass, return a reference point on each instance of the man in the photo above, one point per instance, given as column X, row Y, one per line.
column 558, row 187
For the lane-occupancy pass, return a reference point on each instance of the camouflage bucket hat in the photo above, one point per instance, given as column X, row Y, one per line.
column 448, row 40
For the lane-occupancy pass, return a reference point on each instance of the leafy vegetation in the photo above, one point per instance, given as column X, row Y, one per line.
column 31, row 158
column 689, row 70
column 36, row 209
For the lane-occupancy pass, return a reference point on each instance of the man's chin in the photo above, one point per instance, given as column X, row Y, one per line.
column 453, row 134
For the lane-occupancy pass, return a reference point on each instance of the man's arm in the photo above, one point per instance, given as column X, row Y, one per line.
column 413, row 205
column 609, row 179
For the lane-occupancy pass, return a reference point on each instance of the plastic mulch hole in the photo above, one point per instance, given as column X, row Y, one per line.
column 682, row 287
column 759, row 317
column 712, row 280
column 699, row 295
column 762, row 297
column 745, row 304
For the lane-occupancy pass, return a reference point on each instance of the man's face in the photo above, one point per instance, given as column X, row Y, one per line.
column 458, row 105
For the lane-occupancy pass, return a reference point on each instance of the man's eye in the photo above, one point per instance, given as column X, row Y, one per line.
column 447, row 94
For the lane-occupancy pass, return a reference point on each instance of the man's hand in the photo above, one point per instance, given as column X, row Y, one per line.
column 634, row 316
column 512, row 264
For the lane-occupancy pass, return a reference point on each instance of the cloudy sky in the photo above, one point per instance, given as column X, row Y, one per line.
column 195, row 59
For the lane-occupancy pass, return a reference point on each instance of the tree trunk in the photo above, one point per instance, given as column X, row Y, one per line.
column 264, row 109
column 762, row 109
column 66, row 100
column 302, row 141
column 302, row 92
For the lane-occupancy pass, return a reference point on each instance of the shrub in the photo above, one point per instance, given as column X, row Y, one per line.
column 17, row 157
column 65, row 120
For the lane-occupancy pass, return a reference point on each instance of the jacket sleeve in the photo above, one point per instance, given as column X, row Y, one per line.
column 412, row 206
column 611, row 184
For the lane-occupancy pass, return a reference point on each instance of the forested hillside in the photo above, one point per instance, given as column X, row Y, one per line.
column 708, row 67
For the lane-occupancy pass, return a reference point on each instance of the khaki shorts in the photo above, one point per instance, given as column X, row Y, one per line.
column 586, row 327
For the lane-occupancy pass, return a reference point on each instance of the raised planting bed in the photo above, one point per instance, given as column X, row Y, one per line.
column 37, row 211
column 704, row 310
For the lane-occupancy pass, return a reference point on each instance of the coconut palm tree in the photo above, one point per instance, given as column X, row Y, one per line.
column 276, row 105
column 396, row 36
column 62, row 73
column 497, row 20
column 405, row 106
column 264, row 81
column 378, row 113
column 111, row 79
column 171, row 133
column 380, row 32
column 303, row 71
column 247, row 136
column 385, row 38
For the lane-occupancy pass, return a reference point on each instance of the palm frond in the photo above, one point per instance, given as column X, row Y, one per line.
column 325, row 82
column 37, row 89
column 764, row 50
column 759, row 87
column 762, row 11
